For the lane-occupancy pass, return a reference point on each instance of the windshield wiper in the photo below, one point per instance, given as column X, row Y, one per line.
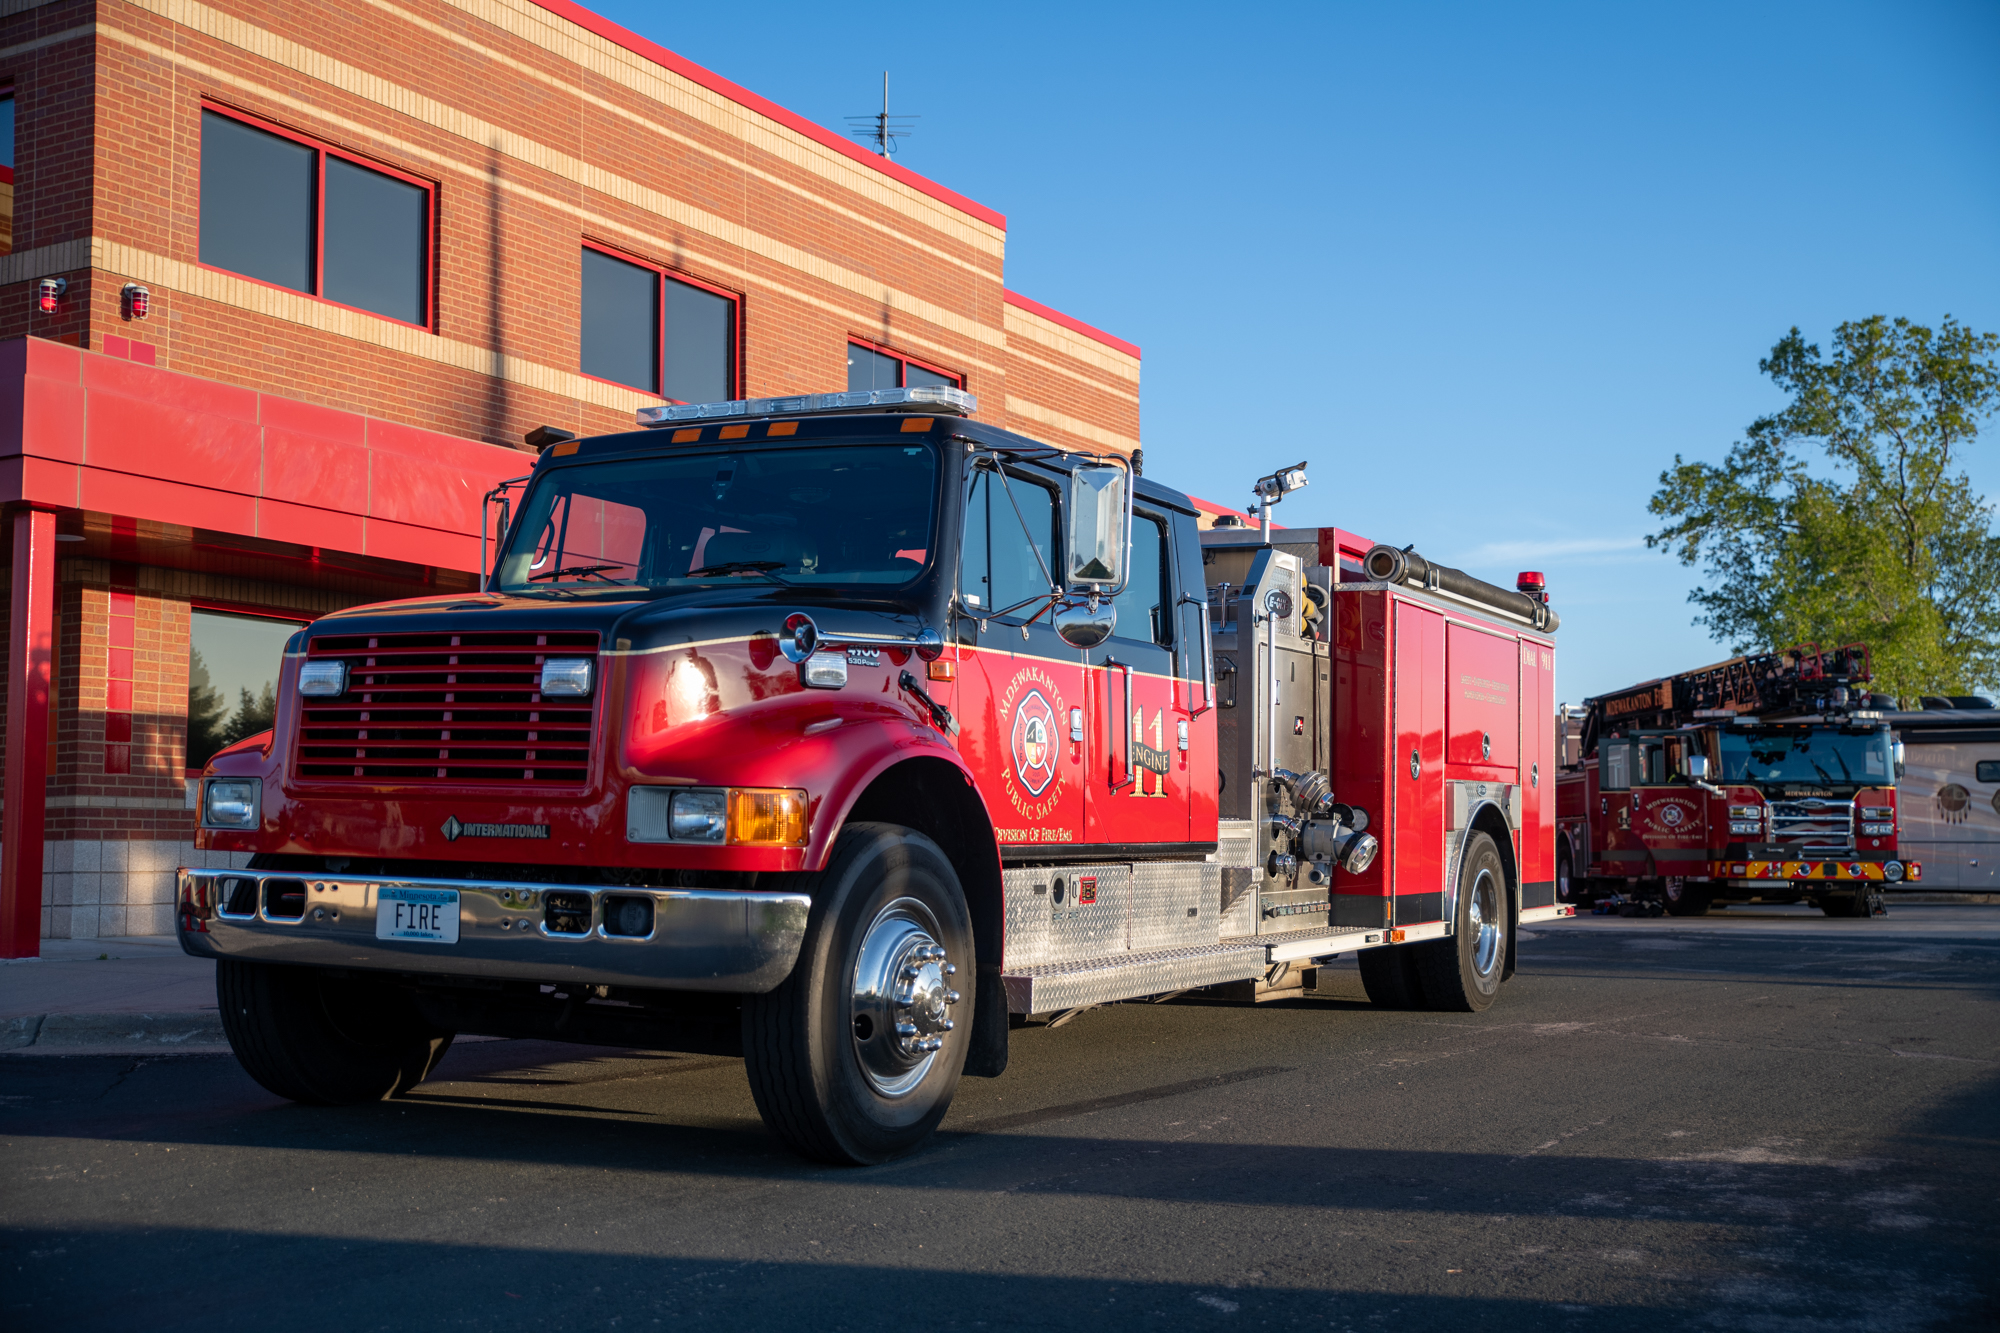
column 765, row 567
column 575, row 571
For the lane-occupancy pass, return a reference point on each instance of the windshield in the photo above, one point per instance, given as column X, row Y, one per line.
column 1818, row 755
column 854, row 514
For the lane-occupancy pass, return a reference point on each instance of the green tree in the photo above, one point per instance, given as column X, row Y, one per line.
column 205, row 711
column 252, row 715
column 1847, row 516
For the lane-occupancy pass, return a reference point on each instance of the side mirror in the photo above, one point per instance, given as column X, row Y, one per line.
column 1896, row 750
column 1082, row 625
column 1697, row 767
column 1100, row 525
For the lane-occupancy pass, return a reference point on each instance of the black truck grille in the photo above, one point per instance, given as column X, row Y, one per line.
column 422, row 709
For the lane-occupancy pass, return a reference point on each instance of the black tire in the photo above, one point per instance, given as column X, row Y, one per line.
column 1685, row 899
column 829, row 1089
column 1389, row 975
column 1860, row 904
column 1462, row 972
column 321, row 1040
column 1567, row 889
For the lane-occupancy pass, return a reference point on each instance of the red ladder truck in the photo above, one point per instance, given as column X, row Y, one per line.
column 844, row 733
column 1762, row 778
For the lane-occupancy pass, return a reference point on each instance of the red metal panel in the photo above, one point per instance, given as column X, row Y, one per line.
column 1419, row 786
column 105, row 374
column 43, row 417
column 169, row 502
column 422, row 546
column 30, row 643
column 1014, row 734
column 1538, row 773
column 39, row 481
column 160, row 438
column 317, row 471
column 328, row 423
column 304, row 525
column 1364, row 764
column 1482, row 702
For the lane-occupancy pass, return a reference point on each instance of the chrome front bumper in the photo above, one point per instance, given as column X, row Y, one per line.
column 702, row 939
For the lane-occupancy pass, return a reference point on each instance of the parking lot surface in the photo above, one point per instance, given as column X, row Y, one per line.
column 1763, row 1119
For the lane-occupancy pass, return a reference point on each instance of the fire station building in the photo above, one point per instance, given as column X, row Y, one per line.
column 284, row 288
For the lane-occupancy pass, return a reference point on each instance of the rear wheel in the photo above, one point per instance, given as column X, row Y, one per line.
column 854, row 1057
column 1462, row 972
column 1567, row 889
column 324, row 1041
column 1685, row 899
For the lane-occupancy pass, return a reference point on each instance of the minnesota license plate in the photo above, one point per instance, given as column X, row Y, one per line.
column 417, row 914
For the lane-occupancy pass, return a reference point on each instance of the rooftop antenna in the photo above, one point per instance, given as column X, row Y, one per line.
column 883, row 129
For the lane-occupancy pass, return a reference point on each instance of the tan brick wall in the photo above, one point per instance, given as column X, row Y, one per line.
column 1069, row 388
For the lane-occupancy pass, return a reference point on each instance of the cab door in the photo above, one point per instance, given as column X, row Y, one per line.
column 1136, row 784
column 1020, row 692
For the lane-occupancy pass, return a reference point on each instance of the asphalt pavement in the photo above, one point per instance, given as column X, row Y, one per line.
column 1761, row 1119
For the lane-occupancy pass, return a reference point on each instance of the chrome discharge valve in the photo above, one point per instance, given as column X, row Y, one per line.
column 1325, row 833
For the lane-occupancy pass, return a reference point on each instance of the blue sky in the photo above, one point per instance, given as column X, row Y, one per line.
column 1488, row 267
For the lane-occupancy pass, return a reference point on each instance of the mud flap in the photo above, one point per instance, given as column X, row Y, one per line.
column 1513, row 931
column 987, row 1057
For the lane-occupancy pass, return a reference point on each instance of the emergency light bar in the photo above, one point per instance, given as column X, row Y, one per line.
column 942, row 400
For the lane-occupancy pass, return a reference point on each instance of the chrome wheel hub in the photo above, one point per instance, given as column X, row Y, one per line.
column 902, row 997
column 1487, row 922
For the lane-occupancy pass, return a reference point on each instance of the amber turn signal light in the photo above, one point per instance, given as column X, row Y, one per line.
column 767, row 817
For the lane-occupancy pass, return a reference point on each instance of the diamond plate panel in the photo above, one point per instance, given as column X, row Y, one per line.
column 1174, row 903
column 1048, row 923
column 1039, row 990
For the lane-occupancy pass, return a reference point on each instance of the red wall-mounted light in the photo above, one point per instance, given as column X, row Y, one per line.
column 138, row 301
column 49, row 294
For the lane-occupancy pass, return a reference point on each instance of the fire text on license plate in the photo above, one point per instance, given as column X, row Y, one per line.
column 416, row 914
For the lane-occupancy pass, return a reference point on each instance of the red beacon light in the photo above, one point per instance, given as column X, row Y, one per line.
column 138, row 301
column 1533, row 584
column 49, row 295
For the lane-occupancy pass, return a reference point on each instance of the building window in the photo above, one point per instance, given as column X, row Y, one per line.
column 873, row 367
column 6, row 171
column 233, row 663
column 296, row 214
column 657, row 332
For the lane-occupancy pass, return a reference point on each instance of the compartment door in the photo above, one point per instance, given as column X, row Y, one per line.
column 1418, row 846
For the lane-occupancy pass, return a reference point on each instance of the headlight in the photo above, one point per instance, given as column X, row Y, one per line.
column 699, row 816
column 1892, row 870
column 566, row 677
column 1753, row 826
column 231, row 802
column 1878, row 812
column 323, row 680
column 1755, row 812
column 1877, row 830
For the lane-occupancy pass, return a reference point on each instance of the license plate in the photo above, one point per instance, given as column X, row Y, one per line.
column 417, row 914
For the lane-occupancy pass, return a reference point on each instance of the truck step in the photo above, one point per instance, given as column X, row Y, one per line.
column 1126, row 976
column 1291, row 945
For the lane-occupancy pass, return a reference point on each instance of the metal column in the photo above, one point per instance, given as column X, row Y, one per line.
column 29, row 649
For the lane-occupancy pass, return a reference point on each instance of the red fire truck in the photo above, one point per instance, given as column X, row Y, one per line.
column 1763, row 778
column 843, row 733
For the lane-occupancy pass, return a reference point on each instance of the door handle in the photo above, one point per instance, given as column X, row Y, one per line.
column 1124, row 717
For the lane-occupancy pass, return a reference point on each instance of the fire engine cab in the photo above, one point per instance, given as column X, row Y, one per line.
column 844, row 733
column 1762, row 778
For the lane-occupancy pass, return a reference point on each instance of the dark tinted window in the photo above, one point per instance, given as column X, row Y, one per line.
column 256, row 203
column 1000, row 568
column 700, row 344
column 872, row 370
column 916, row 377
column 375, row 241
column 1140, row 613
column 823, row 516
column 233, row 666
column 1988, row 770
column 620, row 321
column 7, row 174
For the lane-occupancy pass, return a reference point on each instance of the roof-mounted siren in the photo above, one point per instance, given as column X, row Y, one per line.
column 1530, row 583
column 936, row 399
column 1275, row 487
